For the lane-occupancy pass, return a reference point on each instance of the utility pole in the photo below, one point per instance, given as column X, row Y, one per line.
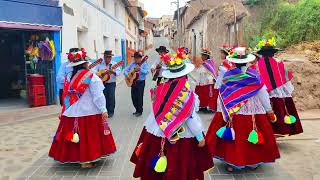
column 178, row 21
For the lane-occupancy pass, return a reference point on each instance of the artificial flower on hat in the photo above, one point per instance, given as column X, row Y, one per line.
column 75, row 56
column 206, row 51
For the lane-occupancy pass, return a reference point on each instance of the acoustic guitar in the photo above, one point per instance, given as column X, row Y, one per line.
column 133, row 74
column 157, row 71
column 105, row 75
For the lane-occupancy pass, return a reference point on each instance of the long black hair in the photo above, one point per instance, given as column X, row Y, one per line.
column 76, row 69
column 240, row 65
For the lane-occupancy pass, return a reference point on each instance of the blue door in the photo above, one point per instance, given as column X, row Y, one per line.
column 123, row 51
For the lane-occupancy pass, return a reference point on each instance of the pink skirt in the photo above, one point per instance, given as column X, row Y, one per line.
column 282, row 107
column 240, row 153
column 208, row 96
column 186, row 161
column 93, row 143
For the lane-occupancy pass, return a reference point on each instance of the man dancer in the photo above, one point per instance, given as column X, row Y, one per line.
column 158, row 67
column 63, row 71
column 110, row 85
column 137, row 89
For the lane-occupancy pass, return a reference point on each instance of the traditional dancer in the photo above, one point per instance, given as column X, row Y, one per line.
column 83, row 135
column 205, row 76
column 63, row 71
column 172, row 144
column 137, row 88
column 158, row 67
column 110, row 82
column 278, row 82
column 224, row 66
column 240, row 133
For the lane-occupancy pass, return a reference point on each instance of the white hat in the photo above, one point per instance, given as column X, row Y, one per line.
column 240, row 56
column 179, row 71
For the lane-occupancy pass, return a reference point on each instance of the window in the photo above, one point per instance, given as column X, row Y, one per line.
column 82, row 39
column 104, row 4
column 135, row 46
column 135, row 30
column 129, row 24
column 130, row 45
column 106, row 42
column 117, row 46
column 115, row 9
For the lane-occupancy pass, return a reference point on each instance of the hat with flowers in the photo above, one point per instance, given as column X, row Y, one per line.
column 205, row 51
column 240, row 55
column 267, row 46
column 77, row 56
column 177, row 65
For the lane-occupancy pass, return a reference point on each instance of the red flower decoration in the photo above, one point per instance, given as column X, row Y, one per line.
column 70, row 57
column 180, row 50
column 84, row 53
column 224, row 46
column 78, row 56
column 179, row 55
column 267, row 44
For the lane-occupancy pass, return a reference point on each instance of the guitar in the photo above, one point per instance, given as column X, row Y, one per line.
column 104, row 74
column 157, row 71
column 133, row 75
column 95, row 63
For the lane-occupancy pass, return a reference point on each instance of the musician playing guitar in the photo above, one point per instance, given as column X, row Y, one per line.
column 158, row 66
column 110, row 85
column 137, row 88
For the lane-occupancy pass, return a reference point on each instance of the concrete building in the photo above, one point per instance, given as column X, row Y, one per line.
column 211, row 24
column 148, row 29
column 165, row 25
column 156, row 23
column 95, row 25
column 132, row 31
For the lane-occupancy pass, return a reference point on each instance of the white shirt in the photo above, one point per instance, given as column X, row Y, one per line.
column 201, row 76
column 113, row 78
column 92, row 101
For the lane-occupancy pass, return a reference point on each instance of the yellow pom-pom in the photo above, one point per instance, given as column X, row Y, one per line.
column 178, row 61
column 172, row 62
column 287, row 120
column 75, row 138
column 161, row 165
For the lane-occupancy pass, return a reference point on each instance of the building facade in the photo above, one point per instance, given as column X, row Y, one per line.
column 165, row 26
column 95, row 25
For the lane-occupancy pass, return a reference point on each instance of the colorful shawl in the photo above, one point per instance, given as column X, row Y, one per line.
column 236, row 89
column 73, row 90
column 211, row 68
column 173, row 105
column 273, row 73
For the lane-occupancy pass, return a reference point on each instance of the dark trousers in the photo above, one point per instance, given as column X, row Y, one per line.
column 109, row 93
column 60, row 96
column 137, row 91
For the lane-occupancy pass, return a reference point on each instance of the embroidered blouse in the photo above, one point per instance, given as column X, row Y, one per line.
column 92, row 102
column 201, row 77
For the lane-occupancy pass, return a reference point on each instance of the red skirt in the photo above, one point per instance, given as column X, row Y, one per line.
column 279, row 106
column 186, row 161
column 93, row 143
column 208, row 96
column 240, row 153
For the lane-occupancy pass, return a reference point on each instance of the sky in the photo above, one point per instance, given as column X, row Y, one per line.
column 157, row 8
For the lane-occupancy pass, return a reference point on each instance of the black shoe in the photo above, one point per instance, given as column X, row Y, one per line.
column 138, row 114
column 110, row 115
column 135, row 113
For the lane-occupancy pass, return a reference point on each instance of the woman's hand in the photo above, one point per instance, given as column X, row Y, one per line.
column 202, row 143
column 104, row 116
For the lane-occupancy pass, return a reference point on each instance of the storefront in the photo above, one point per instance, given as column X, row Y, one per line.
column 30, row 46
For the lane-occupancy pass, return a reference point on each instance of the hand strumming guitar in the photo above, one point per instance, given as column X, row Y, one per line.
column 137, row 68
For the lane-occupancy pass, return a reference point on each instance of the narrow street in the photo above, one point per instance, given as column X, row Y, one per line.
column 24, row 147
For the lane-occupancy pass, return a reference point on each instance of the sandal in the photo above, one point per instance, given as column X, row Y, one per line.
column 87, row 165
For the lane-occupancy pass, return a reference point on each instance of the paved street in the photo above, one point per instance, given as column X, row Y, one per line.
column 24, row 147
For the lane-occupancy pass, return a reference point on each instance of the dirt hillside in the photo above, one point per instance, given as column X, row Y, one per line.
column 304, row 61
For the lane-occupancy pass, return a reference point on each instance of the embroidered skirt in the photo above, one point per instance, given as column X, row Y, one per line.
column 186, row 161
column 240, row 153
column 208, row 96
column 283, row 107
column 93, row 143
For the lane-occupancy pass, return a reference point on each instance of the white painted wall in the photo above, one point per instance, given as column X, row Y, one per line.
column 132, row 33
column 93, row 26
column 198, row 26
